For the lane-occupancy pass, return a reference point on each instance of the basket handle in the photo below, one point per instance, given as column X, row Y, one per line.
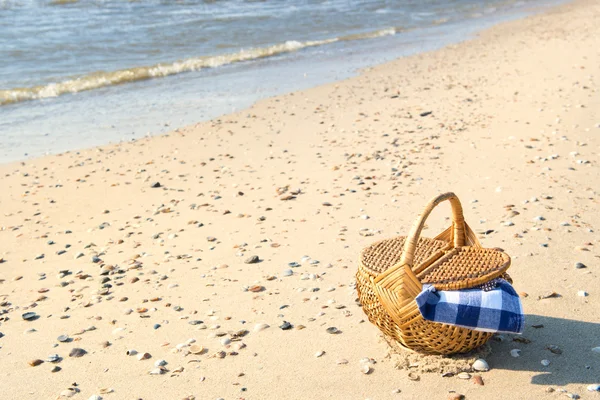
column 458, row 225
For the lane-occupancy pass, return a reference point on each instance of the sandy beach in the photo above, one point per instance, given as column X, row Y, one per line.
column 215, row 235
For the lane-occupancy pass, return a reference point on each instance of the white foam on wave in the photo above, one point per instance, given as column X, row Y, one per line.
column 101, row 79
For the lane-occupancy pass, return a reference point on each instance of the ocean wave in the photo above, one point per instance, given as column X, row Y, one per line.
column 102, row 79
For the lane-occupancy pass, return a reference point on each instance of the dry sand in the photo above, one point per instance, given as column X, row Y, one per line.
column 514, row 120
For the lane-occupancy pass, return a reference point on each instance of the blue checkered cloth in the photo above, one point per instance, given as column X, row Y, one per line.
column 496, row 307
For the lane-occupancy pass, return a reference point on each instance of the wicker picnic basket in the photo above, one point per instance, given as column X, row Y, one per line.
column 392, row 272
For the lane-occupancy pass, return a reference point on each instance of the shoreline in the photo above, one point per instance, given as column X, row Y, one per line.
column 129, row 245
column 53, row 126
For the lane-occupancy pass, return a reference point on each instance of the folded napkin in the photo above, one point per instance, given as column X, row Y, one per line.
column 494, row 307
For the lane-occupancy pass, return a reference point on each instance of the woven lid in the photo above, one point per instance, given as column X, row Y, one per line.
column 465, row 267
column 380, row 256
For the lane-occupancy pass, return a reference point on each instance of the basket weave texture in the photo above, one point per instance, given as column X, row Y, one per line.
column 391, row 274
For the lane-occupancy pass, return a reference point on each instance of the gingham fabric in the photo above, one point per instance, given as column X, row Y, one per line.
column 494, row 308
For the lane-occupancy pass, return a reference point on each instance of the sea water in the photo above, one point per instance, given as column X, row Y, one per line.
column 78, row 73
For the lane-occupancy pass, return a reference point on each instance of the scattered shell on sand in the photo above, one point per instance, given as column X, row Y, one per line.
column 252, row 260
column 158, row 371
column 319, row 353
column 366, row 369
column 53, row 358
column 144, row 356
column 260, row 327
column 481, row 365
column 478, row 380
column 70, row 392
column 333, row 330
column 554, row 349
column 77, row 352
column 594, row 388
column 463, row 375
column 29, row 316
column 219, row 354
column 131, row 352
column 196, row 349
column 160, row 363
column 342, row 361
column 63, row 338
column 35, row 363
column 413, row 376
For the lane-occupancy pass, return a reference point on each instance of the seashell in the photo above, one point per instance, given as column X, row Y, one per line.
column 160, row 363
column 343, row 361
column 131, row 352
column 56, row 368
column 319, row 353
column 158, row 371
column 240, row 334
column 35, row 363
column 77, row 352
column 456, row 396
column 196, row 349
column 256, row 288
column 515, row 353
column 225, row 341
column 554, row 349
column 239, row 345
column 366, row 369
column 70, row 392
column 178, row 370
column 53, row 358
column 333, row 330
column 582, row 293
column 106, row 390
column 95, row 397
column 478, row 380
column 63, row 338
column 481, row 365
column 464, row 375
column 141, row 310
column 285, row 326
column 30, row 316
column 545, row 363
column 260, row 327
column 413, row 376
column 596, row 350
column 594, row 388
column 219, row 354
column 548, row 295
column 105, row 344
column 144, row 356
